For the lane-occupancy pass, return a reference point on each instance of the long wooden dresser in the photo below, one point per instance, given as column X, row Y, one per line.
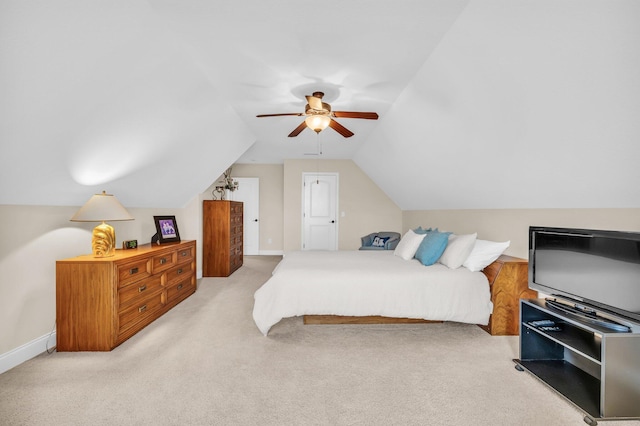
column 101, row 302
column 222, row 234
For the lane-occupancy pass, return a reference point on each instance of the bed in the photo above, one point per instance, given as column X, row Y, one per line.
column 373, row 283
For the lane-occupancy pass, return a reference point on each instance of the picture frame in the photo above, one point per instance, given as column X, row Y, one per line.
column 166, row 230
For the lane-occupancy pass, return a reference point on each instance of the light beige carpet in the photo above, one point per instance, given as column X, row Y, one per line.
column 206, row 363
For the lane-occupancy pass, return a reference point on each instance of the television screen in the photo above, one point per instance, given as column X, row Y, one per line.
column 597, row 267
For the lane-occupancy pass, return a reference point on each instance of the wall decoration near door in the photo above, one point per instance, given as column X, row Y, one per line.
column 225, row 187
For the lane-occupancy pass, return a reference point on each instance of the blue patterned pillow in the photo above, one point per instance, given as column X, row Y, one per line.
column 379, row 241
column 432, row 247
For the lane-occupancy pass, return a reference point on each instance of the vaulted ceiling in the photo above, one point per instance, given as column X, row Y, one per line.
column 482, row 103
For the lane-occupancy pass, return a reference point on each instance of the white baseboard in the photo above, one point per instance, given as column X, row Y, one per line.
column 27, row 351
column 271, row 252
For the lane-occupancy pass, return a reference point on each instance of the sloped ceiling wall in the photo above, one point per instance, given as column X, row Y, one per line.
column 524, row 104
column 98, row 95
column 535, row 102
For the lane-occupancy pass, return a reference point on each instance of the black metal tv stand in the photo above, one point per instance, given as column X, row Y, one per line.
column 589, row 363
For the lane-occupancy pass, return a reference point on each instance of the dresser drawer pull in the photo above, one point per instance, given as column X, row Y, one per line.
column 179, row 271
column 133, row 271
column 184, row 253
column 163, row 261
column 142, row 308
column 180, row 287
column 142, row 288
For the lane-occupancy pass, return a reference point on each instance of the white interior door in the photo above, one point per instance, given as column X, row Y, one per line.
column 249, row 193
column 320, row 211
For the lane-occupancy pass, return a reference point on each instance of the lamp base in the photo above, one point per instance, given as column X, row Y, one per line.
column 103, row 242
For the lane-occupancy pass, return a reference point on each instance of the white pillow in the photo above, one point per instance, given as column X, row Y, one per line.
column 484, row 253
column 457, row 251
column 408, row 245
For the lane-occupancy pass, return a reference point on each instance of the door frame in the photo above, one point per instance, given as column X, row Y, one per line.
column 302, row 205
column 246, row 217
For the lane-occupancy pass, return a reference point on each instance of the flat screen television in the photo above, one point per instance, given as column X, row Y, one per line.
column 596, row 273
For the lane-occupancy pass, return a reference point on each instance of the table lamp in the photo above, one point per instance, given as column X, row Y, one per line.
column 101, row 208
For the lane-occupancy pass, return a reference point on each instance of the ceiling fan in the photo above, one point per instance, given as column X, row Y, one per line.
column 319, row 116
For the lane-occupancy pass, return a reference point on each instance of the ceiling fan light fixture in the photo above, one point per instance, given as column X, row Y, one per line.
column 317, row 122
column 319, row 116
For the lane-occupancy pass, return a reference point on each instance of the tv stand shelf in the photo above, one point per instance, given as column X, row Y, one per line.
column 591, row 366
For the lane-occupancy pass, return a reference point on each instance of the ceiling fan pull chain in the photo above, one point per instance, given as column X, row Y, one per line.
column 318, row 159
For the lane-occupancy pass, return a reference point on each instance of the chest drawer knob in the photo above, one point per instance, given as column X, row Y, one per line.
column 179, row 271
column 180, row 287
column 142, row 308
column 183, row 253
column 133, row 271
column 142, row 288
column 163, row 261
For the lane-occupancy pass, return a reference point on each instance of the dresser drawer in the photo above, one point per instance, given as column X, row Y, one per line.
column 179, row 272
column 236, row 230
column 139, row 311
column 134, row 271
column 186, row 254
column 138, row 291
column 163, row 262
column 235, row 262
column 236, row 209
column 179, row 289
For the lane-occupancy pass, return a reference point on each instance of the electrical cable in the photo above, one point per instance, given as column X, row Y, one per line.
column 49, row 338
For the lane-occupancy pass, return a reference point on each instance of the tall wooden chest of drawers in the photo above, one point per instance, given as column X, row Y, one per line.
column 222, row 234
column 101, row 302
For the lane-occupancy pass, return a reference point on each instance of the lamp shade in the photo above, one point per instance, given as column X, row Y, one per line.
column 101, row 208
column 317, row 122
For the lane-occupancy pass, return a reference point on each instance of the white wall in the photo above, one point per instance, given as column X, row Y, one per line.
column 513, row 224
column 366, row 208
column 537, row 100
column 34, row 237
column 271, row 201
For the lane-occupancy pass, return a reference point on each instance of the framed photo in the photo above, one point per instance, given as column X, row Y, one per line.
column 167, row 229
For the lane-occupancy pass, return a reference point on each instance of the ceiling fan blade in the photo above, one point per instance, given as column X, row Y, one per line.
column 314, row 102
column 298, row 114
column 355, row 114
column 298, row 129
column 340, row 128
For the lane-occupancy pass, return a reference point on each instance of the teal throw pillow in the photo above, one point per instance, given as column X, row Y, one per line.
column 421, row 231
column 432, row 247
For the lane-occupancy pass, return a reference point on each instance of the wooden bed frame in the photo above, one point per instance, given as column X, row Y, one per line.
column 508, row 281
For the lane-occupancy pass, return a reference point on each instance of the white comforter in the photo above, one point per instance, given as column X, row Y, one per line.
column 361, row 283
